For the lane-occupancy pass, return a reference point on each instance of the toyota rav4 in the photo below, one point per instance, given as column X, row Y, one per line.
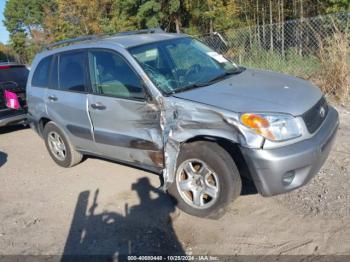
column 169, row 104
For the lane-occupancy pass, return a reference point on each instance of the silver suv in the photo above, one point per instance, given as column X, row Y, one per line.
column 169, row 104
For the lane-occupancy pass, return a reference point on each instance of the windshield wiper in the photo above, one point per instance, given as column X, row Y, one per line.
column 223, row 76
column 189, row 87
column 211, row 81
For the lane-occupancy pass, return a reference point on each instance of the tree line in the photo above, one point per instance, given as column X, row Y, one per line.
column 34, row 23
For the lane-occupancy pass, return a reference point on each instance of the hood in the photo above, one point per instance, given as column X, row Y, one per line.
column 258, row 91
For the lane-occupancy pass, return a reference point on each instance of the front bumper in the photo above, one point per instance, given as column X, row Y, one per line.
column 304, row 159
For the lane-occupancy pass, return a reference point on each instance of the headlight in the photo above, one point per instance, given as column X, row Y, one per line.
column 275, row 127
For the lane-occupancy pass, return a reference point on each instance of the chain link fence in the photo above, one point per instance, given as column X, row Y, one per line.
column 301, row 47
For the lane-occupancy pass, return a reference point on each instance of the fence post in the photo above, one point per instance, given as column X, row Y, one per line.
column 282, row 10
column 271, row 28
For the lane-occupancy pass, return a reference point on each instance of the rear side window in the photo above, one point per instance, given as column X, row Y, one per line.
column 18, row 74
column 41, row 74
column 71, row 72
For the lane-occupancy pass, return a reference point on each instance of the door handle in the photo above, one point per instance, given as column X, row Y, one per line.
column 52, row 98
column 98, row 106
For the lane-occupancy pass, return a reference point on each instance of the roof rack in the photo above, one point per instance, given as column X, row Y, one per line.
column 71, row 41
column 94, row 37
column 142, row 31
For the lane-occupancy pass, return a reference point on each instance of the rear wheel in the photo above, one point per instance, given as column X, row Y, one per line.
column 206, row 180
column 60, row 150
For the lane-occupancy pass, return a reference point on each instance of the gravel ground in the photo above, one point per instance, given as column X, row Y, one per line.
column 328, row 194
column 100, row 207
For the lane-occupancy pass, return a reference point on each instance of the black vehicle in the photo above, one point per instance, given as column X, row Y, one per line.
column 13, row 78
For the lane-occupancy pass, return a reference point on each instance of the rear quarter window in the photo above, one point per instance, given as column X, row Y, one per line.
column 72, row 71
column 41, row 74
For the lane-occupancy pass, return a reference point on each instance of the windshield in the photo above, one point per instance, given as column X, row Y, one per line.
column 181, row 64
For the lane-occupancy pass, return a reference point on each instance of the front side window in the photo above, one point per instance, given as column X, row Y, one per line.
column 41, row 74
column 111, row 75
column 178, row 64
column 71, row 72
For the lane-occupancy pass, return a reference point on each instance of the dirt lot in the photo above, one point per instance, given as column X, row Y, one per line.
column 100, row 207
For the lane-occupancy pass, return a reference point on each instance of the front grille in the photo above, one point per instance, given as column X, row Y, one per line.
column 314, row 117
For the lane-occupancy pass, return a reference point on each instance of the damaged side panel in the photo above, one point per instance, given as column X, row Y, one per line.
column 128, row 130
column 150, row 133
column 182, row 120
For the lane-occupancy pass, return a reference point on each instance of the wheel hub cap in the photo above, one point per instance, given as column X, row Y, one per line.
column 57, row 146
column 197, row 184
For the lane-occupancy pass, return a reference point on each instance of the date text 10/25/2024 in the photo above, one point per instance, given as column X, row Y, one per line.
column 173, row 258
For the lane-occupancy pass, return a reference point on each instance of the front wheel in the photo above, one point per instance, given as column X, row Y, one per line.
column 206, row 180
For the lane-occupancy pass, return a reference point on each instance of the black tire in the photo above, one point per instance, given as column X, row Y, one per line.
column 221, row 163
column 72, row 157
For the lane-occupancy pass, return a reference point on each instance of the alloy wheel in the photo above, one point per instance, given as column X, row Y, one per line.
column 57, row 146
column 197, row 184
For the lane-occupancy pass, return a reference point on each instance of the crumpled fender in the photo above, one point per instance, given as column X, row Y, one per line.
column 182, row 120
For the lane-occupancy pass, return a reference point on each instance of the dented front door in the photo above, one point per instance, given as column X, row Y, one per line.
column 125, row 126
column 127, row 130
